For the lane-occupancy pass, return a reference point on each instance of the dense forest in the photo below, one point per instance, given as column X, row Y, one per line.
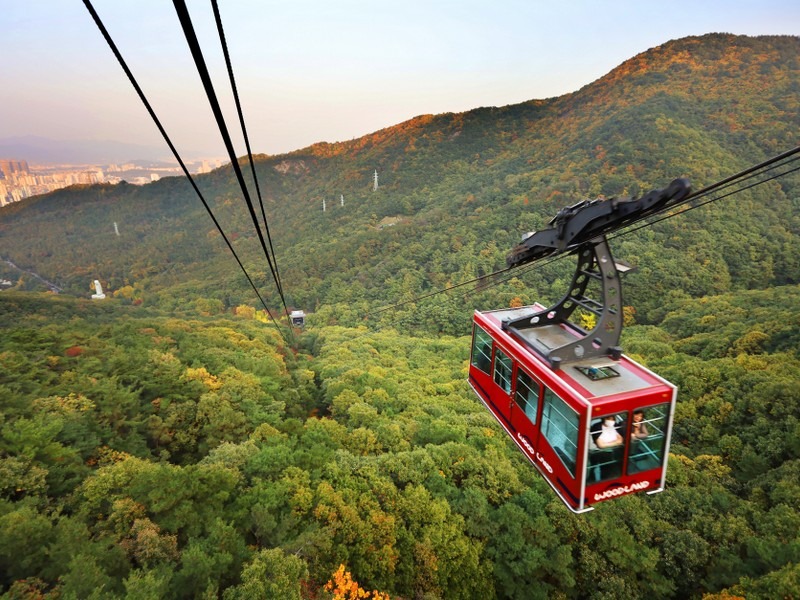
column 167, row 442
column 152, row 456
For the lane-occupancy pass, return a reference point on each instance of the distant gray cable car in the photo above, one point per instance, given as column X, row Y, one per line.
column 298, row 318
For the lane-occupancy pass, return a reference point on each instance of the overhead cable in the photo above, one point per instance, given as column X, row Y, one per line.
column 739, row 177
column 239, row 111
column 710, row 200
column 202, row 69
column 175, row 153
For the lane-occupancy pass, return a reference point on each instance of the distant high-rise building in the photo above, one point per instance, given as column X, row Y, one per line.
column 13, row 166
column 375, row 181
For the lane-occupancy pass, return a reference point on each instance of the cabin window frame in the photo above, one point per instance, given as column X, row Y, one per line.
column 662, row 435
column 505, row 373
column 609, row 462
column 479, row 336
column 524, row 404
column 556, row 433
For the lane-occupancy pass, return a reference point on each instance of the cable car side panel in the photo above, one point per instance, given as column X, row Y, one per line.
column 557, row 454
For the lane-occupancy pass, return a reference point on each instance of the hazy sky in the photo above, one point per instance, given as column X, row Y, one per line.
column 313, row 70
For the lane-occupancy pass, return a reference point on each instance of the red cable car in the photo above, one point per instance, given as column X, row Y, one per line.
column 595, row 424
column 562, row 419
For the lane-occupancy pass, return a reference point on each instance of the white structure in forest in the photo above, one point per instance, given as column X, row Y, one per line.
column 116, row 229
column 99, row 295
column 341, row 199
column 323, row 205
column 375, row 181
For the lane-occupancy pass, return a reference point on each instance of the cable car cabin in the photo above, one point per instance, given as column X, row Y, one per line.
column 298, row 318
column 596, row 429
column 596, row 424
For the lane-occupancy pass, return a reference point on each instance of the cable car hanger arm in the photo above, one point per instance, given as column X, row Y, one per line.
column 580, row 223
column 581, row 229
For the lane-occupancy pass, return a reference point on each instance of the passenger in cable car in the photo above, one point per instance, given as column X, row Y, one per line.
column 608, row 436
column 639, row 430
column 606, row 448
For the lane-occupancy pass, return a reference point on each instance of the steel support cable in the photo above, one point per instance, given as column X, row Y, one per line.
column 728, row 182
column 551, row 259
column 175, row 153
column 744, row 175
column 709, row 201
column 239, row 111
column 202, row 69
column 741, row 174
column 517, row 271
column 722, row 184
column 704, row 191
column 742, row 178
column 437, row 292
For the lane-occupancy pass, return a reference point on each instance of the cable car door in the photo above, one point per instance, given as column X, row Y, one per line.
column 525, row 408
column 502, row 374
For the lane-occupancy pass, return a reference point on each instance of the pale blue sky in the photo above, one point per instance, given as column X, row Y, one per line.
column 312, row 70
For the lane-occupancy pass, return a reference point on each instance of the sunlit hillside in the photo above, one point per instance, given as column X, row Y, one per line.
column 455, row 193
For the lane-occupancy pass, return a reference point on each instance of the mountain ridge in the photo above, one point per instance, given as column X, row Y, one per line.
column 461, row 188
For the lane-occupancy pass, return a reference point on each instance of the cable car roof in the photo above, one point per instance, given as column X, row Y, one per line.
column 588, row 379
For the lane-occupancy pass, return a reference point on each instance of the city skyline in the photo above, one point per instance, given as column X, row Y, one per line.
column 20, row 180
column 311, row 71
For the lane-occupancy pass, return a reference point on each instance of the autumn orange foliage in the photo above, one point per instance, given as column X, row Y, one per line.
column 342, row 586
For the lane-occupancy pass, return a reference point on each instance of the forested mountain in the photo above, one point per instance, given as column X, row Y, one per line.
column 457, row 190
column 167, row 443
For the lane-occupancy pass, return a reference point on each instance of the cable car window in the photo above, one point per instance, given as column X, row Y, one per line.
column 482, row 350
column 648, row 429
column 560, row 428
column 606, row 447
column 527, row 395
column 502, row 371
